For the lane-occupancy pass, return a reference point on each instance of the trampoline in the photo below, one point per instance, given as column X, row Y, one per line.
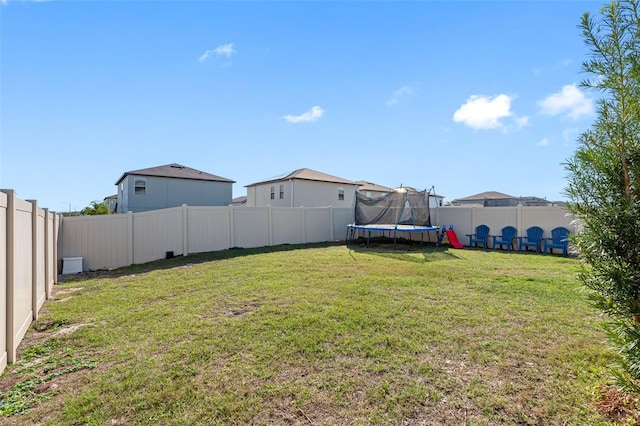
column 402, row 210
column 353, row 229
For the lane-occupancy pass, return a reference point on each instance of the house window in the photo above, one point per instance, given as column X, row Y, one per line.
column 340, row 194
column 273, row 192
column 368, row 194
column 140, row 187
column 281, row 192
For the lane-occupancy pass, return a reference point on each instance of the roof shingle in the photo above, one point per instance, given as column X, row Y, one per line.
column 176, row 171
column 305, row 174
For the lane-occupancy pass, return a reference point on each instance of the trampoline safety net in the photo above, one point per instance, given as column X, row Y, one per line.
column 400, row 207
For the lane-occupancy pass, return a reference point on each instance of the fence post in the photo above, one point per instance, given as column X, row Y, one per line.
column 130, row 256
column 34, row 259
column 47, row 254
column 473, row 219
column 519, row 220
column 270, row 222
column 232, row 229
column 3, row 284
column 185, row 230
column 10, row 302
column 331, row 222
column 56, row 231
column 304, row 226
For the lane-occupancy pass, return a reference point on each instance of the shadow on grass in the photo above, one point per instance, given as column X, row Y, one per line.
column 191, row 259
column 405, row 250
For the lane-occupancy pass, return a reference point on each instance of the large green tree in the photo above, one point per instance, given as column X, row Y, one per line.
column 604, row 181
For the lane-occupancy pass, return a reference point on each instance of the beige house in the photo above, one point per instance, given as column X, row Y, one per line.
column 302, row 188
column 373, row 190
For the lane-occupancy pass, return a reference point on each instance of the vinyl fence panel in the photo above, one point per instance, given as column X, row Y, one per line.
column 19, row 273
column 157, row 232
column 317, row 223
column 341, row 218
column 209, row 229
column 495, row 218
column 250, row 226
column 102, row 241
column 287, row 225
column 546, row 218
column 460, row 217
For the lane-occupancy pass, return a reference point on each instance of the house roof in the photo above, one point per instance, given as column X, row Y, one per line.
column 363, row 185
column 176, row 171
column 305, row 174
column 239, row 201
column 488, row 195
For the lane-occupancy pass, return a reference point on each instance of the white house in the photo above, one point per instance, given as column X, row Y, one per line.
column 302, row 188
column 372, row 190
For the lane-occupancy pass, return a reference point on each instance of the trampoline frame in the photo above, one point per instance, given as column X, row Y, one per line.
column 353, row 229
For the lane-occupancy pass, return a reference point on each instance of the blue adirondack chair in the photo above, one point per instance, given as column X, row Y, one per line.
column 480, row 237
column 559, row 239
column 533, row 239
column 506, row 237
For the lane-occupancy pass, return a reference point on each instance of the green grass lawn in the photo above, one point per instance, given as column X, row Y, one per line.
column 316, row 335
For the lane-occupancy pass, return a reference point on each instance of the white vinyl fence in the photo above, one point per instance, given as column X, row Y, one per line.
column 112, row 241
column 28, row 236
column 465, row 219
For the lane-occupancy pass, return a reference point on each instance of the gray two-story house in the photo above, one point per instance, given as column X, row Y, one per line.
column 171, row 185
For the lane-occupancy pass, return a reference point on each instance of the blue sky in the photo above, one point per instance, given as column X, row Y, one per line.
column 463, row 96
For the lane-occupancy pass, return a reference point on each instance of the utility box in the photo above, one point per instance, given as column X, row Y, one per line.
column 71, row 265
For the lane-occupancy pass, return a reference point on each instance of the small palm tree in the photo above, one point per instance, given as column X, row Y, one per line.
column 96, row 208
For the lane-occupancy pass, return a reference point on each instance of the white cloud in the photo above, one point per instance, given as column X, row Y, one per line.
column 222, row 50
column 401, row 92
column 485, row 112
column 312, row 115
column 565, row 63
column 543, row 142
column 518, row 123
column 570, row 101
